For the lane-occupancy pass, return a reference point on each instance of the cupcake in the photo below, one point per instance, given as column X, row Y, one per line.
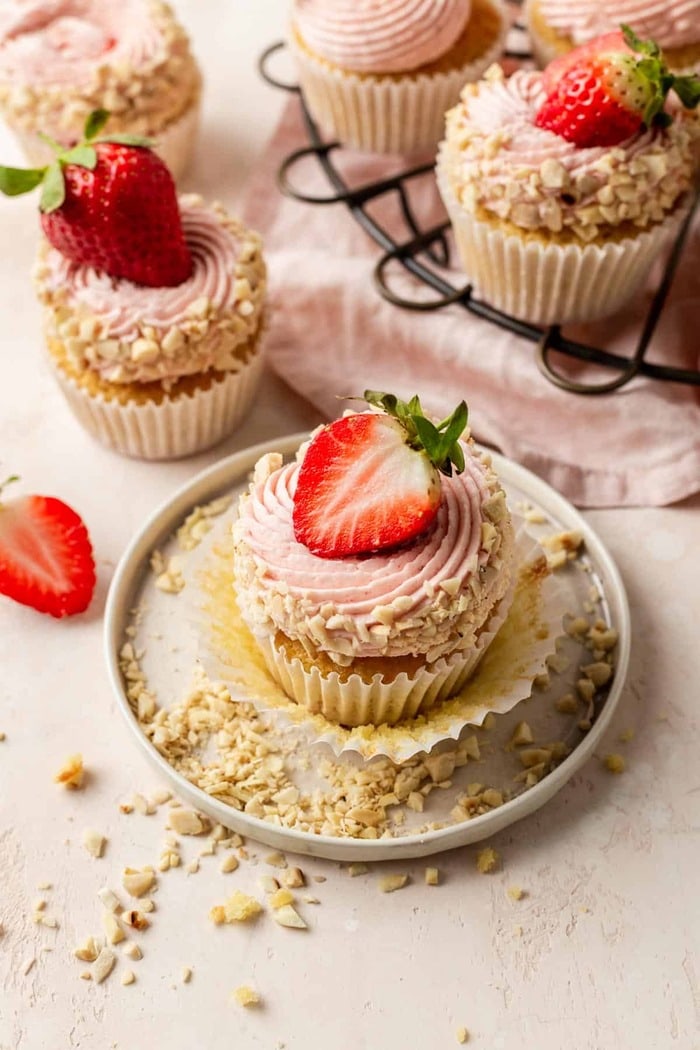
column 153, row 307
column 379, row 76
column 375, row 569
column 563, row 187
column 557, row 26
column 62, row 59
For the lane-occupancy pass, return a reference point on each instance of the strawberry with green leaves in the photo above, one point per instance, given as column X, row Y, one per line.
column 371, row 481
column 46, row 557
column 607, row 90
column 110, row 203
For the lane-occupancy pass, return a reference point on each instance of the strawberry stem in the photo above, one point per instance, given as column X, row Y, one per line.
column 660, row 79
column 439, row 441
column 8, row 481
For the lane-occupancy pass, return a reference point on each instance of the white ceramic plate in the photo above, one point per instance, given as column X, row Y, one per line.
column 133, row 581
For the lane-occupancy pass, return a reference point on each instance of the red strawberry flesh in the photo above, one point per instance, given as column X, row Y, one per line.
column 122, row 218
column 361, row 488
column 46, row 557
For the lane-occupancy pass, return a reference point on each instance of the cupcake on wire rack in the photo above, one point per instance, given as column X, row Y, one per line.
column 153, row 307
column 379, row 75
column 375, row 569
column 62, row 59
column 563, row 186
column 557, row 26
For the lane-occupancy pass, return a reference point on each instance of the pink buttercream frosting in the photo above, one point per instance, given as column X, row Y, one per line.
column 65, row 41
column 132, row 333
column 496, row 158
column 380, row 36
column 429, row 597
column 671, row 23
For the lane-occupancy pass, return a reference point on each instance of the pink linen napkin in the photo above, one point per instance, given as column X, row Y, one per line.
column 332, row 334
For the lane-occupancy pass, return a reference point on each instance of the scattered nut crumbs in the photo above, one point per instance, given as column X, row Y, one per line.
column 288, row 916
column 71, row 773
column 88, row 951
column 487, row 860
column 462, row 1035
column 132, row 951
column 280, row 898
column 104, row 964
column 614, row 763
column 246, row 996
column 228, row 864
column 292, row 878
column 187, row 822
column 94, row 842
column 357, row 869
column 186, row 974
column 276, row 860
column 516, row 893
column 522, row 734
column 135, row 919
column 626, row 735
column 113, row 930
column 128, row 977
column 432, row 876
column 391, row 883
column 2, row 737
column 109, row 899
column 136, row 882
column 238, row 908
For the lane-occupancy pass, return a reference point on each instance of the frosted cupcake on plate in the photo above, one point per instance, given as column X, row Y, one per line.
column 153, row 307
column 379, row 75
column 62, row 59
column 557, row 26
column 563, row 186
column 375, row 569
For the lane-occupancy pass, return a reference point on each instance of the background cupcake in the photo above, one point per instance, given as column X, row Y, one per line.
column 380, row 75
column 153, row 308
column 61, row 60
column 372, row 582
column 561, row 198
column 557, row 26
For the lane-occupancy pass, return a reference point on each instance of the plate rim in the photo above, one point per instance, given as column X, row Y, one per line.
column 161, row 523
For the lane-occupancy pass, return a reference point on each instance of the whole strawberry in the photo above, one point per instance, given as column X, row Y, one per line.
column 607, row 90
column 110, row 203
column 371, row 481
column 46, row 557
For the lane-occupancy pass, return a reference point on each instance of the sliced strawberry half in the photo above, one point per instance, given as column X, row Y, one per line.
column 46, row 558
column 371, row 481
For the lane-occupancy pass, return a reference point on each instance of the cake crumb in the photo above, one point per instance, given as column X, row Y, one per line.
column 487, row 860
column 246, row 996
column 391, row 883
column 238, row 908
column 462, row 1035
column 72, row 772
column 614, row 763
column 432, row 876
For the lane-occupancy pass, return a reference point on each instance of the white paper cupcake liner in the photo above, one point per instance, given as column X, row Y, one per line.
column 385, row 114
column 174, row 428
column 552, row 283
column 504, row 676
column 353, row 701
column 175, row 144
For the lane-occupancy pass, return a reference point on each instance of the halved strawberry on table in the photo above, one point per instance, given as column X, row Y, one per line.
column 46, row 558
column 110, row 202
column 371, row 481
column 609, row 89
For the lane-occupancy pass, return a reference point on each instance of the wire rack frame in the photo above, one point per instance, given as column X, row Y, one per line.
column 425, row 246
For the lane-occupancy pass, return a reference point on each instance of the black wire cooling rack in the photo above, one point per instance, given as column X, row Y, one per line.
column 428, row 249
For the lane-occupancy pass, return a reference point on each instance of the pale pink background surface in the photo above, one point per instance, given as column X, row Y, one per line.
column 333, row 334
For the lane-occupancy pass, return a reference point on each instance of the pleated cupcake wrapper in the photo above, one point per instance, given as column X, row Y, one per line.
column 549, row 283
column 175, row 144
column 176, row 427
column 356, row 702
column 381, row 114
column 503, row 676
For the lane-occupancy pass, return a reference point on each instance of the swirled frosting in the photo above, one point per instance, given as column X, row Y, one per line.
column 671, row 23
column 427, row 598
column 380, row 36
column 495, row 158
column 131, row 333
column 64, row 41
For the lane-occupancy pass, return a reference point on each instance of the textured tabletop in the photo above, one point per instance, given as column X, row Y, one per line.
column 586, row 933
